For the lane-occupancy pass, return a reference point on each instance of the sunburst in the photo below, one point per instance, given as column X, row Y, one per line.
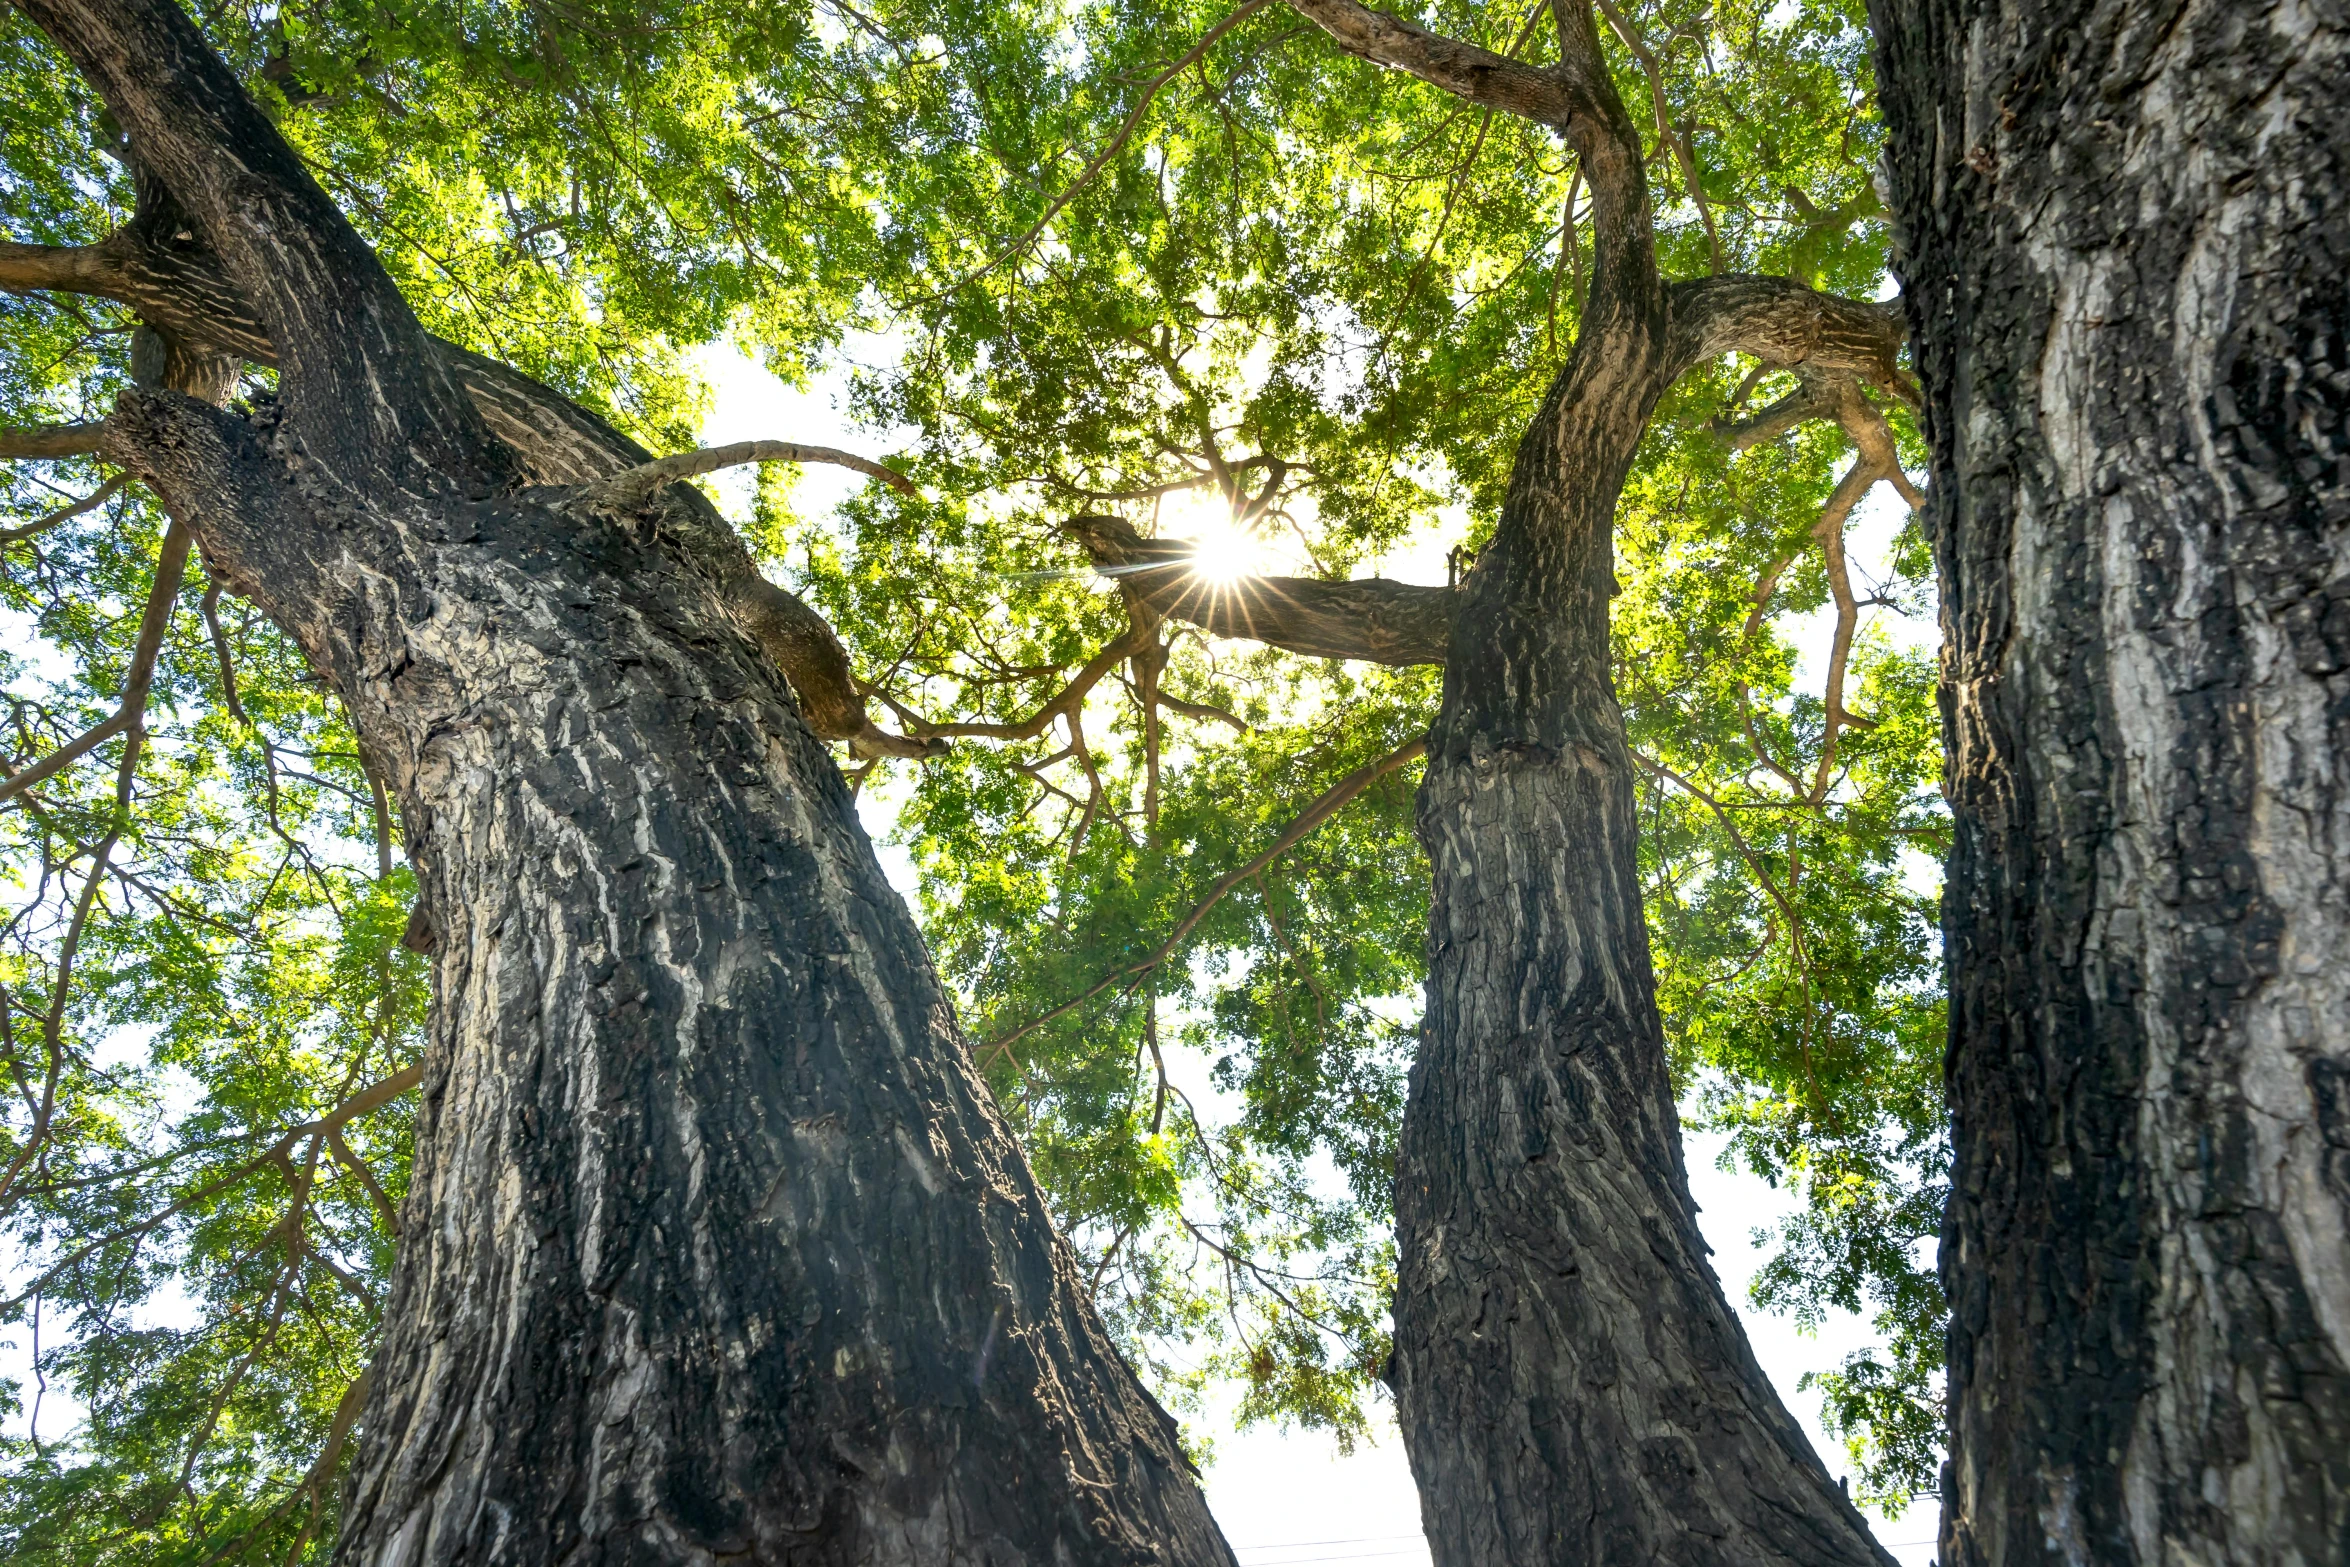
column 1225, row 548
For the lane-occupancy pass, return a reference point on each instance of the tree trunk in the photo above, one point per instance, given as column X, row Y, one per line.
column 715, row 1245
column 2125, row 237
column 1573, row 1386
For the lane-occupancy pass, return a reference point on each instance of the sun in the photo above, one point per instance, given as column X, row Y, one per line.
column 1227, row 550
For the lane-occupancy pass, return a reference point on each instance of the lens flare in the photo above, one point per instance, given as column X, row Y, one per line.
column 1225, row 549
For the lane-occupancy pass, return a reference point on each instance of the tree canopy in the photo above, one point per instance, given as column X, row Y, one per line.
column 1154, row 285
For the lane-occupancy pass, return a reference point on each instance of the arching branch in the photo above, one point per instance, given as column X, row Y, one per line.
column 632, row 485
column 1781, row 322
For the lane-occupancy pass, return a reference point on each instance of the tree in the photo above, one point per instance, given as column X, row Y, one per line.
column 2123, row 238
column 689, row 1065
column 1786, row 942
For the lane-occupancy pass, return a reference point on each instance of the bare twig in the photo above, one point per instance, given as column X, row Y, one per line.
column 631, row 486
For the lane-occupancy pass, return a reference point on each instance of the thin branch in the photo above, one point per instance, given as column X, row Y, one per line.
column 1205, row 712
column 358, row 1167
column 1070, row 698
column 373, row 1097
column 1314, row 815
column 632, row 486
column 170, row 564
column 1102, row 159
column 228, row 666
column 96, row 498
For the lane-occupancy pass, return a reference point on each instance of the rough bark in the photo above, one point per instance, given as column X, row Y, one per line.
column 1572, row 1385
column 715, row 1245
column 2125, row 234
column 197, row 312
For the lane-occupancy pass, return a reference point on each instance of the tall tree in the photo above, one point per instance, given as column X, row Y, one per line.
column 1315, row 293
column 2124, row 231
column 715, row 1243
column 1571, row 1383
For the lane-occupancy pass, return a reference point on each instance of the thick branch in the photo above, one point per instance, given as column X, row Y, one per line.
column 1465, row 70
column 186, row 292
column 354, row 358
column 1815, row 397
column 1782, row 322
column 53, row 440
column 1683, row 153
column 1372, row 619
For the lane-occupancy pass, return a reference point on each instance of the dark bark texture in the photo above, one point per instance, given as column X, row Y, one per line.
column 1573, row 1387
column 2125, row 230
column 716, row 1247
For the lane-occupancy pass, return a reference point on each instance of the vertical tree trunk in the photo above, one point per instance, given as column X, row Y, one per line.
column 1573, row 1387
column 2126, row 234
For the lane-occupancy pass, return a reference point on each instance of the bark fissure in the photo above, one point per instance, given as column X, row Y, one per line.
column 2124, row 236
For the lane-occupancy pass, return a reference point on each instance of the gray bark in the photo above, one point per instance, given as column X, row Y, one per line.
column 715, row 1245
column 1572, row 1385
column 2125, row 237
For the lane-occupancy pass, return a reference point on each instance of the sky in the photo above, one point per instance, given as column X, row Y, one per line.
column 1287, row 1498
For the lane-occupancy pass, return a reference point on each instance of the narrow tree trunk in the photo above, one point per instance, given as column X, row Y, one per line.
column 2126, row 234
column 1573, row 1387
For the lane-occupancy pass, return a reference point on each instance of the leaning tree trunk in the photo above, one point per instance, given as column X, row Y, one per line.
column 714, row 1243
column 2125, row 232
column 715, row 1246
column 1572, row 1385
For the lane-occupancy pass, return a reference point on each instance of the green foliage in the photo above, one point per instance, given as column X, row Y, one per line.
column 1305, row 310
